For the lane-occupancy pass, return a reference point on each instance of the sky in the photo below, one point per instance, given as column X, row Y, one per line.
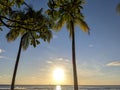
column 97, row 54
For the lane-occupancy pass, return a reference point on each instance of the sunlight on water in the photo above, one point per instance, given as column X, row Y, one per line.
column 58, row 87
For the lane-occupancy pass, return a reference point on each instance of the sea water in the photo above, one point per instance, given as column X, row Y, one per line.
column 61, row 87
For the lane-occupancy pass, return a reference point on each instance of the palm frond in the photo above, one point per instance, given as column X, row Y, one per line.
column 60, row 23
column 83, row 25
column 12, row 35
column 69, row 28
column 118, row 9
column 25, row 41
column 49, row 35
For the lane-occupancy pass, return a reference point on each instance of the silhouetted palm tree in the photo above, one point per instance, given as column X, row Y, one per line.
column 23, row 44
column 30, row 26
column 68, row 12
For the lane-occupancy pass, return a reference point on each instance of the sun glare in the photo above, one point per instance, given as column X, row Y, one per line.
column 58, row 75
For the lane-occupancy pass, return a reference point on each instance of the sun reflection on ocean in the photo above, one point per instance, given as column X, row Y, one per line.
column 58, row 87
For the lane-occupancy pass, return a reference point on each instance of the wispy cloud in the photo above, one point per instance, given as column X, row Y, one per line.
column 7, row 58
column 91, row 45
column 58, row 62
column 1, row 50
column 55, row 36
column 90, row 69
column 90, row 73
column 116, row 63
column 49, row 62
column 60, row 59
column 2, row 57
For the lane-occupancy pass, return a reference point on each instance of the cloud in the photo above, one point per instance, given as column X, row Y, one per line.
column 49, row 62
column 1, row 50
column 55, row 36
column 58, row 62
column 90, row 73
column 90, row 69
column 116, row 63
column 60, row 59
column 4, row 57
column 67, row 60
column 90, row 45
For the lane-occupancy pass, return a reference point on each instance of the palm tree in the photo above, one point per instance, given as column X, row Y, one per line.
column 68, row 12
column 23, row 44
column 34, row 26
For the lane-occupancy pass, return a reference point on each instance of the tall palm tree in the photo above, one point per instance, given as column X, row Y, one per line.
column 68, row 12
column 23, row 44
column 34, row 26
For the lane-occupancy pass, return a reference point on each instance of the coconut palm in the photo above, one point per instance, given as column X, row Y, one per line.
column 34, row 26
column 68, row 12
column 23, row 44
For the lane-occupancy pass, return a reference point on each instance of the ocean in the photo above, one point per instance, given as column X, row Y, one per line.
column 61, row 87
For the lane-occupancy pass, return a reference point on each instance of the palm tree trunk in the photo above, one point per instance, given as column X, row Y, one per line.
column 74, row 58
column 16, row 65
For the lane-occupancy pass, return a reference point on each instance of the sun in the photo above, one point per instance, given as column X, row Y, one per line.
column 58, row 75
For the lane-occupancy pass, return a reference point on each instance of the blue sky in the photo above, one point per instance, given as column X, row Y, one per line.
column 97, row 54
